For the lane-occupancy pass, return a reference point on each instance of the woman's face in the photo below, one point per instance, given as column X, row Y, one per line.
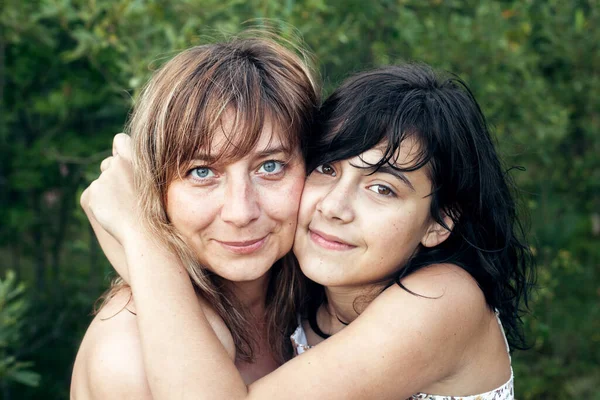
column 239, row 217
column 356, row 227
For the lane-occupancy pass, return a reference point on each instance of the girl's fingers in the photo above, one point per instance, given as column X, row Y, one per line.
column 122, row 146
column 84, row 199
column 105, row 163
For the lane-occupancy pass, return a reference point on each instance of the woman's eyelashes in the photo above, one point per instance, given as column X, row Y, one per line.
column 269, row 169
column 272, row 168
column 202, row 173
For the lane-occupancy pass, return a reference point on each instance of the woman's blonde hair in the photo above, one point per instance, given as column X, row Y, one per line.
column 256, row 80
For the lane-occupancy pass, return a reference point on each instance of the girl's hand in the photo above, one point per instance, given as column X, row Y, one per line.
column 111, row 199
column 111, row 205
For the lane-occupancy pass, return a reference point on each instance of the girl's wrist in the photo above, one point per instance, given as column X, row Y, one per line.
column 144, row 252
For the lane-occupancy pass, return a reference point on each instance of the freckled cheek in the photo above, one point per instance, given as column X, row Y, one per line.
column 282, row 202
column 190, row 212
column 387, row 231
column 310, row 198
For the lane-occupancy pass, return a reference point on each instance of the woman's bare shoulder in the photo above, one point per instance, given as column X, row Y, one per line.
column 123, row 302
column 109, row 362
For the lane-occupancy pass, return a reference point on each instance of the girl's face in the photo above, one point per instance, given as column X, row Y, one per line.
column 356, row 227
column 239, row 217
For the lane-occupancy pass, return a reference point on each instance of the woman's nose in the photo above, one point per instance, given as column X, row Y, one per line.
column 240, row 205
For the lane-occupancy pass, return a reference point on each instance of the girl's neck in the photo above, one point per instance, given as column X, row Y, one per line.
column 343, row 306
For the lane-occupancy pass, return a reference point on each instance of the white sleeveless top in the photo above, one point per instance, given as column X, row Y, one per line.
column 504, row 392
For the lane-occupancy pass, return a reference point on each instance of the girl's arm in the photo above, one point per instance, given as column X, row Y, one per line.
column 398, row 346
column 173, row 318
column 112, row 249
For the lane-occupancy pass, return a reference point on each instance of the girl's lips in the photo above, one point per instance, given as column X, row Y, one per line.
column 244, row 247
column 329, row 242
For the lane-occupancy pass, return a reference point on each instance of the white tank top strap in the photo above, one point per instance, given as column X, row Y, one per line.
column 503, row 333
column 299, row 340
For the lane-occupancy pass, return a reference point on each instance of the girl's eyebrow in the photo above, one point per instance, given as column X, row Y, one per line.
column 388, row 169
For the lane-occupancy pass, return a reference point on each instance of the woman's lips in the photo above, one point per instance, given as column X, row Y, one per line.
column 329, row 242
column 244, row 247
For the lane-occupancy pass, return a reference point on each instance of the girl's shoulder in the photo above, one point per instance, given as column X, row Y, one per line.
column 109, row 362
column 437, row 285
column 439, row 322
column 433, row 335
column 441, row 303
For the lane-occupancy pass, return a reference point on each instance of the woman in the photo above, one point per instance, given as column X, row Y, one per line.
column 245, row 106
column 408, row 222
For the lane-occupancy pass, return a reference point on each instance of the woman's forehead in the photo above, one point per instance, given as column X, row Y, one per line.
column 229, row 142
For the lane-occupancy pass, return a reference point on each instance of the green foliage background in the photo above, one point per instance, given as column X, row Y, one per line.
column 70, row 68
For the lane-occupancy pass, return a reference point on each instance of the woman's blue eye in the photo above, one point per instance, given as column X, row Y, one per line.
column 325, row 169
column 271, row 167
column 202, row 173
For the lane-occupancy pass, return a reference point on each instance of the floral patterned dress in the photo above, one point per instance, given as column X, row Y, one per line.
column 504, row 392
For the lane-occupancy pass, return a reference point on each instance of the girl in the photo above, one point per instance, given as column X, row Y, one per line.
column 408, row 224
column 246, row 107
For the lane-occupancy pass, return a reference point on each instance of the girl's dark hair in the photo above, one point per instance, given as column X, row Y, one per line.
column 389, row 104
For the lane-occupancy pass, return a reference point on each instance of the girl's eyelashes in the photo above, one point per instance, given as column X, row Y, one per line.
column 382, row 190
column 326, row 169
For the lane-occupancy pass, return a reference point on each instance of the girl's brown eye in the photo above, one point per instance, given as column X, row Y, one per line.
column 326, row 169
column 382, row 190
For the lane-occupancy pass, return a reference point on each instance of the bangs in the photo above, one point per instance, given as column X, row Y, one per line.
column 351, row 125
column 234, row 134
column 225, row 95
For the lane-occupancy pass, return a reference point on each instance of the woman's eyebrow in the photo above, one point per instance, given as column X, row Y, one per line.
column 272, row 150
column 204, row 157
column 388, row 169
column 267, row 151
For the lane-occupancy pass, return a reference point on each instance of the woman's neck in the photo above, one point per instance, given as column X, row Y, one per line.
column 251, row 294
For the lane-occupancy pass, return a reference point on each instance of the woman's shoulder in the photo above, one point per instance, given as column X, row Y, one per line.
column 109, row 362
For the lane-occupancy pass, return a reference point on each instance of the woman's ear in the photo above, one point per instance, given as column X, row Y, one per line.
column 436, row 233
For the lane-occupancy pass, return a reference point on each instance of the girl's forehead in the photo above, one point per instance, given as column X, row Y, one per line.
column 402, row 156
